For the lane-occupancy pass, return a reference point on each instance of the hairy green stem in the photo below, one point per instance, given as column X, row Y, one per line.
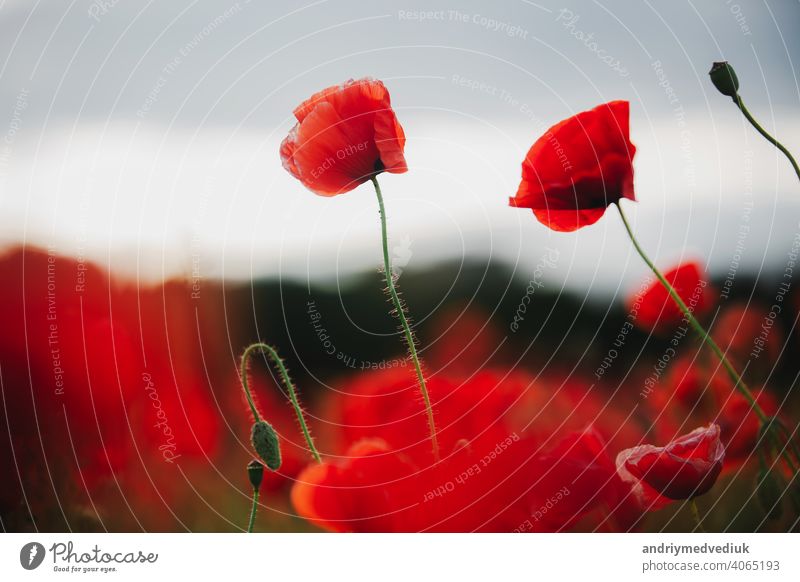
column 287, row 381
column 253, row 512
column 409, row 337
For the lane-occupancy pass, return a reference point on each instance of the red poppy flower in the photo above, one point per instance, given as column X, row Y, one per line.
column 739, row 425
column 384, row 404
column 511, row 484
column 656, row 310
column 689, row 382
column 744, row 329
column 512, row 459
column 685, row 468
column 578, row 168
column 344, row 135
column 465, row 340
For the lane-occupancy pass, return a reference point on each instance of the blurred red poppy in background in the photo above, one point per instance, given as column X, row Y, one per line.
column 689, row 382
column 515, row 457
column 738, row 422
column 749, row 333
column 578, row 168
column 698, row 389
column 685, row 468
column 344, row 135
column 103, row 390
column 657, row 311
column 466, row 339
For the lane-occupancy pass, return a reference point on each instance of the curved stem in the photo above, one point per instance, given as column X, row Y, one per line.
column 246, row 386
column 287, row 381
column 253, row 512
column 412, row 348
column 740, row 104
column 704, row 335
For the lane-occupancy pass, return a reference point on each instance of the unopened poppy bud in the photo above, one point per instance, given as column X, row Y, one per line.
column 255, row 471
column 769, row 493
column 724, row 78
column 265, row 442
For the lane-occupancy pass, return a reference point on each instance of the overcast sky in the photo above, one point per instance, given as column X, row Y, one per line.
column 150, row 130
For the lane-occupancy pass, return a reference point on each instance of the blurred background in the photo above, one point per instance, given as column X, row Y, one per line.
column 150, row 131
column 143, row 204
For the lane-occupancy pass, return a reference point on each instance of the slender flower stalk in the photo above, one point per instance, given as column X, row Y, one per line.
column 696, row 515
column 740, row 104
column 725, row 80
column 346, row 135
column 401, row 314
column 738, row 382
column 252, row 521
column 704, row 335
column 287, row 381
column 255, row 472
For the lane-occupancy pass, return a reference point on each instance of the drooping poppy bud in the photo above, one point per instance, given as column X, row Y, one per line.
column 724, row 78
column 685, row 468
column 265, row 442
column 255, row 472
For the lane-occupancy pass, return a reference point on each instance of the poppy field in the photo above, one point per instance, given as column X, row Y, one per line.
column 457, row 443
column 452, row 395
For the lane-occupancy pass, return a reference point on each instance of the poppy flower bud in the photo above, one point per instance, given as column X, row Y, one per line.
column 724, row 78
column 265, row 442
column 255, row 471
